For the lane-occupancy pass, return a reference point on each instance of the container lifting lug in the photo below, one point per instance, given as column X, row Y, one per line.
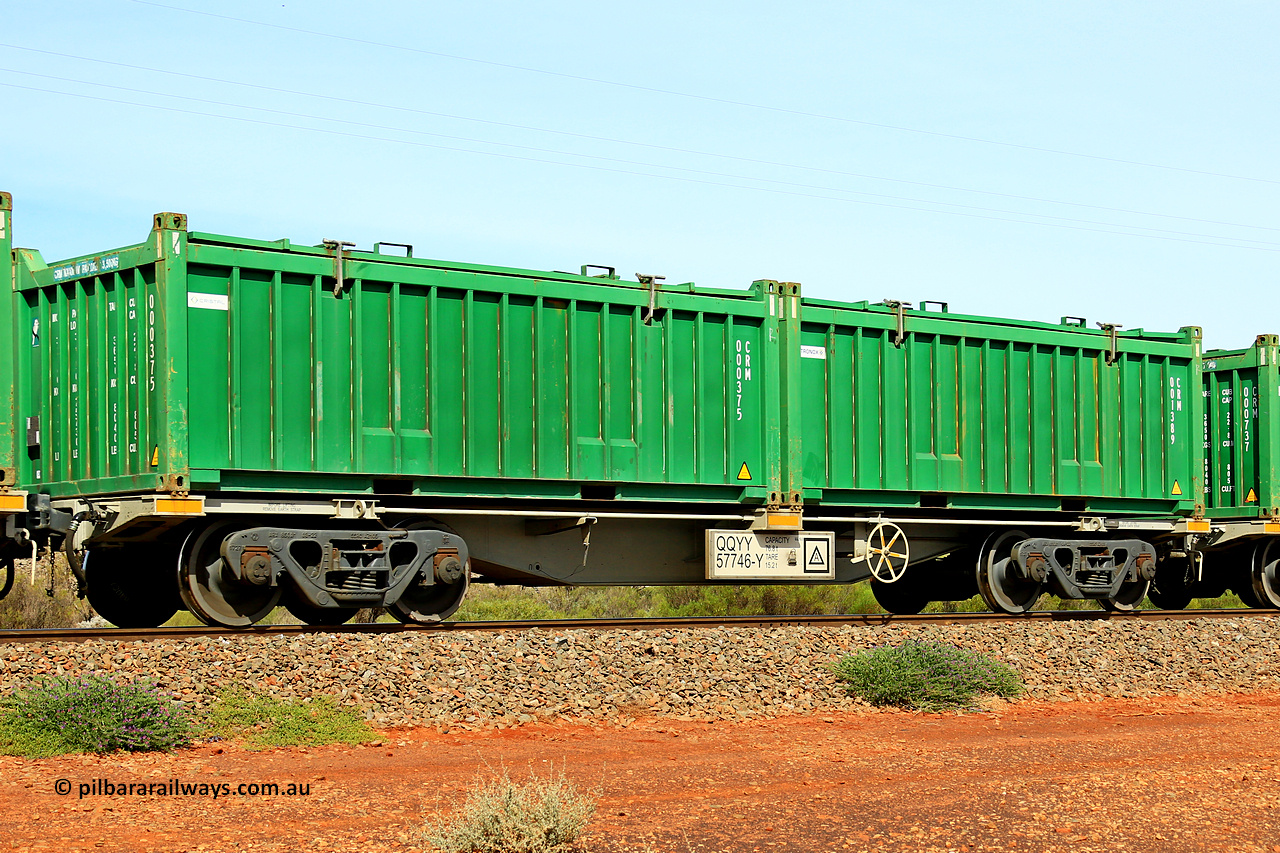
column 609, row 272
column 899, row 308
column 377, row 247
column 338, row 248
column 652, row 281
column 1113, row 352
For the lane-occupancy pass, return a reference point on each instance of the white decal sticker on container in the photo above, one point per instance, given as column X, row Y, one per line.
column 214, row 301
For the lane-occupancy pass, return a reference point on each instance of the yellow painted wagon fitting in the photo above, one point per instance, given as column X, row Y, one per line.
column 13, row 502
column 179, row 506
column 767, row 519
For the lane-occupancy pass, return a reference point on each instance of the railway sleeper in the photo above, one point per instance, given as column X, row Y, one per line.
column 1093, row 569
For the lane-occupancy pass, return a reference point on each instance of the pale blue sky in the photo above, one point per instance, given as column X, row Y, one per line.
column 866, row 150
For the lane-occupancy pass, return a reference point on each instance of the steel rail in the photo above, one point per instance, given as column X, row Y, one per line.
column 44, row 635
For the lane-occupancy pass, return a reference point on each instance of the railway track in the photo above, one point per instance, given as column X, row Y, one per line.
column 42, row 635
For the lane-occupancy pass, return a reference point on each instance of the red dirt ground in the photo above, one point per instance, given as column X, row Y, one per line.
column 1168, row 774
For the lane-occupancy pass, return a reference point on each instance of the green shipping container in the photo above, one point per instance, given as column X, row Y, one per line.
column 1241, row 430
column 196, row 361
column 929, row 409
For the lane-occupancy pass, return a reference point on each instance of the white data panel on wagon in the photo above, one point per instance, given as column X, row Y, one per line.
column 760, row 555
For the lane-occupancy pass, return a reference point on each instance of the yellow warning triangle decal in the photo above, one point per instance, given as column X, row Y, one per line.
column 1177, row 490
column 1252, row 498
column 155, row 457
column 743, row 473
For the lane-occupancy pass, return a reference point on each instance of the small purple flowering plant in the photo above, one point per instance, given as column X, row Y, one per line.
column 93, row 713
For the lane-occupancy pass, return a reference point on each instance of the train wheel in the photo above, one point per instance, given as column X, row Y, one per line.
column 10, row 571
column 211, row 592
column 1128, row 598
column 999, row 583
column 899, row 598
column 1247, row 596
column 1266, row 574
column 427, row 604
column 132, row 587
column 1171, row 588
column 309, row 614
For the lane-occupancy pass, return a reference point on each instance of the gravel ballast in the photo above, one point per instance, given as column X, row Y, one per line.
column 480, row 679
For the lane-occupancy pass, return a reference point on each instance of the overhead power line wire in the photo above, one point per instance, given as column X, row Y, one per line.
column 706, row 98
column 594, row 138
column 1133, row 231
column 621, row 161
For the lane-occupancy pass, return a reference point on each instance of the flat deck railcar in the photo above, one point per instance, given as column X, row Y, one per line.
column 225, row 425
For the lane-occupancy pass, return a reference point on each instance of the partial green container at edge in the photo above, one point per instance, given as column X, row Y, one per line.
column 1242, row 430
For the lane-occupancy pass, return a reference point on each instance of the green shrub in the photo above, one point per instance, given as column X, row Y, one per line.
column 487, row 603
column 516, row 603
column 500, row 816
column 265, row 721
column 926, row 676
column 771, row 600
column 91, row 714
column 502, row 603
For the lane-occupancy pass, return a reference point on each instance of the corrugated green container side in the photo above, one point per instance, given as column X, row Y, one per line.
column 1241, row 430
column 983, row 413
column 97, row 368
column 232, row 365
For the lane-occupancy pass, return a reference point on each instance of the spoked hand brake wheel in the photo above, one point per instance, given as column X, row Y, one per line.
column 888, row 552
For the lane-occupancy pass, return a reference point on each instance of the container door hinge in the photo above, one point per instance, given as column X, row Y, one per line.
column 652, row 281
column 1113, row 352
column 338, row 247
column 899, row 309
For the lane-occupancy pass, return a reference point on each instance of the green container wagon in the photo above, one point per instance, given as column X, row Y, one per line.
column 326, row 428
